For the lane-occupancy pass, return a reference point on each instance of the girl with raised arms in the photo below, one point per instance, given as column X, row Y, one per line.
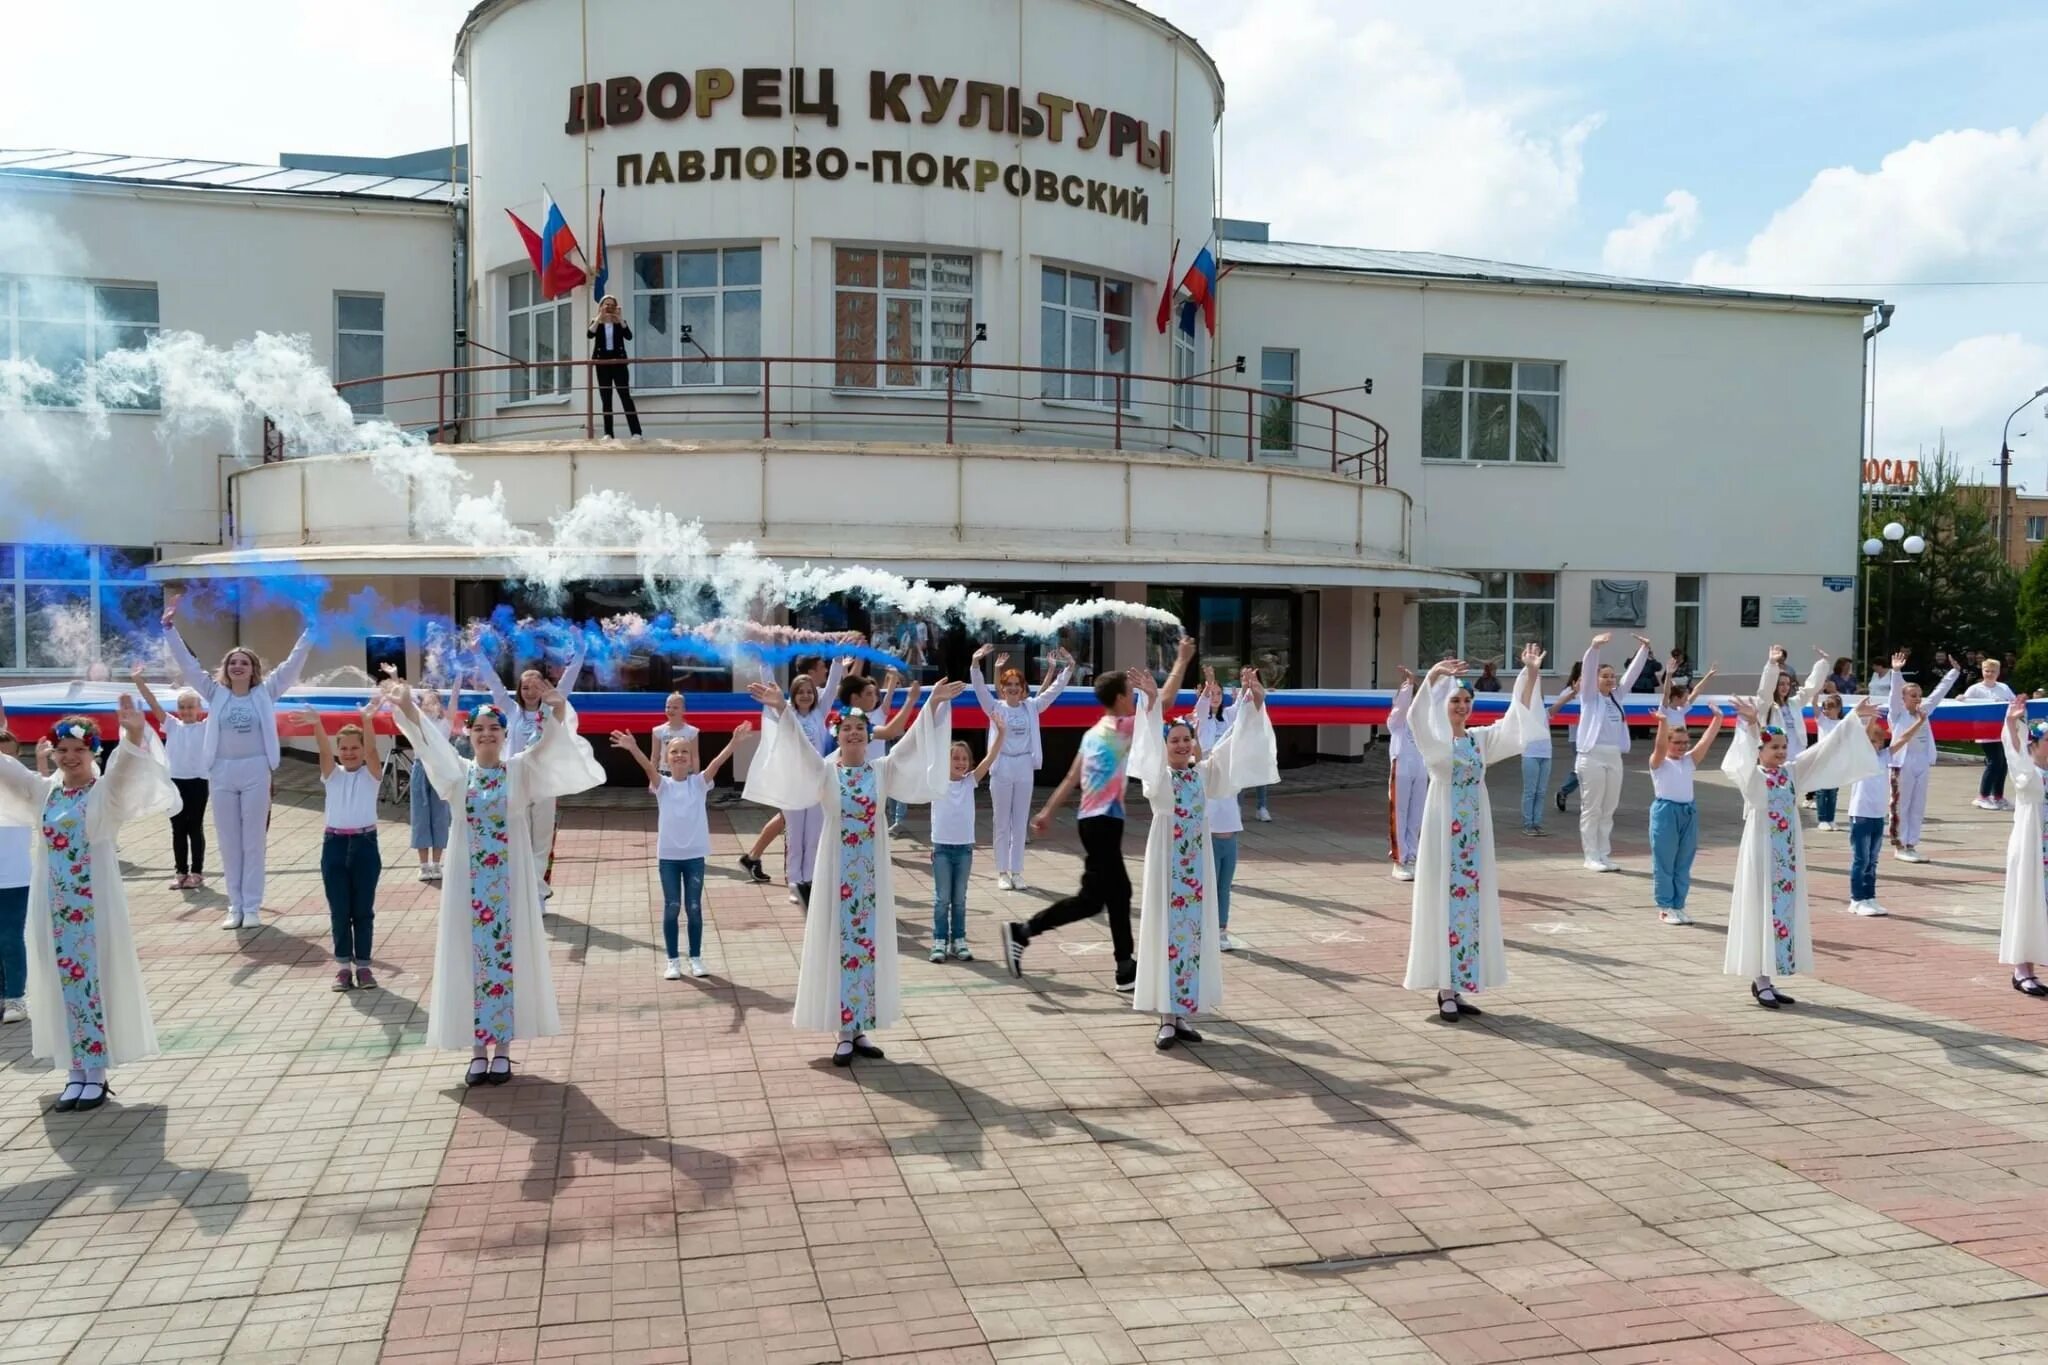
column 1021, row 756
column 1603, row 739
column 525, row 716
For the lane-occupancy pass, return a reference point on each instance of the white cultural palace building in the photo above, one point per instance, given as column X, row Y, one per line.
column 895, row 270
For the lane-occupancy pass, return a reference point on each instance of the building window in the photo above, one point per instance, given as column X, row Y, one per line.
column 714, row 293
column 1186, row 365
column 66, row 327
column 536, row 333
column 64, row 608
column 2037, row 528
column 1279, row 377
column 1084, row 324
column 1502, row 411
column 1687, row 613
column 910, row 310
column 359, row 351
column 1508, row 611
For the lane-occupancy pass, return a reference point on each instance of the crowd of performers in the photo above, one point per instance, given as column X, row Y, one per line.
column 839, row 772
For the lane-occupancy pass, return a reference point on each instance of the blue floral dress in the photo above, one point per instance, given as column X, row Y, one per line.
column 857, row 806
column 1781, row 808
column 1468, row 789
column 1185, row 892
column 71, row 924
column 490, row 903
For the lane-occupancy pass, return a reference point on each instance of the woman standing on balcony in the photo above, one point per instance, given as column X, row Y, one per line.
column 609, row 334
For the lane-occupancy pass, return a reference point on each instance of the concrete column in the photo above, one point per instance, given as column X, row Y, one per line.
column 1126, row 644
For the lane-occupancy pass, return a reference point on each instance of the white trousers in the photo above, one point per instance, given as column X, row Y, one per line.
column 543, row 827
column 1407, row 790
column 239, row 792
column 1009, row 789
column 1599, row 773
column 800, row 830
column 1909, row 805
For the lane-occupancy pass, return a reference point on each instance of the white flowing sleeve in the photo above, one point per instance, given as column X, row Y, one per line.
column 1049, row 692
column 1429, row 725
column 2019, row 766
column 1738, row 765
column 189, row 671
column 447, row 771
column 786, row 771
column 1508, row 736
column 1767, row 693
column 1148, row 754
column 137, row 782
column 1809, row 691
column 1246, row 756
column 981, row 690
column 500, row 698
column 573, row 672
column 285, row 676
column 22, row 794
column 1940, row 693
column 1842, row 759
column 918, row 766
column 560, row 762
column 1633, row 671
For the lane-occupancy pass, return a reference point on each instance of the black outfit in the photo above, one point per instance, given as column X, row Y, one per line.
column 608, row 348
column 1651, row 678
column 1105, row 886
column 188, row 826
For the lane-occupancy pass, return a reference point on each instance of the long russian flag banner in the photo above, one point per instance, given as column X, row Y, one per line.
column 32, row 710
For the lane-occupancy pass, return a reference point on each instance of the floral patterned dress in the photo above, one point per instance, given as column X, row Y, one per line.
column 1468, row 789
column 1781, row 809
column 71, row 924
column 1186, row 894
column 490, row 903
column 857, row 808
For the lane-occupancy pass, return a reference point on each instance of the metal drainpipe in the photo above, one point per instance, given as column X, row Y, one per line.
column 461, row 314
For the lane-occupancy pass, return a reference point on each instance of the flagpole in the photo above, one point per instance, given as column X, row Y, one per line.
column 572, row 236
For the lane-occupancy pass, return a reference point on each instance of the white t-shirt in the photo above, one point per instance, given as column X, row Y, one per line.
column 953, row 813
column 240, row 732
column 1871, row 799
column 14, row 852
column 351, row 798
column 184, row 747
column 1984, row 691
column 1538, row 742
column 1672, row 779
column 665, row 732
column 681, row 828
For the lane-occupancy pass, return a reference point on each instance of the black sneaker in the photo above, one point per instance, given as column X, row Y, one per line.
column 1126, row 977
column 1560, row 807
column 1015, row 936
column 752, row 867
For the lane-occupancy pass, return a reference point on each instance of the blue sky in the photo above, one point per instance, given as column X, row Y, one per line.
column 1883, row 147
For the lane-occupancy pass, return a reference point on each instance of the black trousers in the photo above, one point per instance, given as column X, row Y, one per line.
column 188, row 826
column 617, row 376
column 1105, row 886
column 1992, row 786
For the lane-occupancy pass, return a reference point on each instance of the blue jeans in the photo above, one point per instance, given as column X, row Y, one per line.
column 1571, row 784
column 682, row 887
column 349, row 867
column 1674, row 838
column 1223, row 848
column 898, row 812
column 1260, row 793
column 950, row 865
column 1824, row 805
column 13, row 943
column 1535, row 781
column 1866, row 837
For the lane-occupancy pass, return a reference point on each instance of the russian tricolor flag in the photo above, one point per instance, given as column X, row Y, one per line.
column 1200, row 286
column 550, row 250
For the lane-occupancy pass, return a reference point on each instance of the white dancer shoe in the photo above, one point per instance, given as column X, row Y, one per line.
column 1826, row 825
column 1227, row 943
column 1869, row 909
column 13, row 1012
column 674, row 970
column 1017, row 881
column 1003, row 881
column 1912, row 854
column 252, row 919
column 697, row 967
column 1403, row 874
column 1264, row 817
column 233, row 920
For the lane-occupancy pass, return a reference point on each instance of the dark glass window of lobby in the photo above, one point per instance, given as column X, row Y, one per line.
column 1235, row 628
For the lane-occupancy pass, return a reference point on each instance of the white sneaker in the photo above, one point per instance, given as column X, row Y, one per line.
column 12, row 1012
column 1264, row 817
column 252, row 919
column 233, row 920
column 674, row 970
column 1403, row 874
column 1869, row 909
column 1227, row 943
column 1595, row 865
column 1003, row 881
column 1983, row 803
column 697, row 967
column 1826, row 825
column 794, row 898
column 426, row 872
column 1016, row 882
column 2003, row 804
column 1911, row 855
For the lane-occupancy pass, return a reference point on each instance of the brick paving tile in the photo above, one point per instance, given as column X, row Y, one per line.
column 1624, row 1161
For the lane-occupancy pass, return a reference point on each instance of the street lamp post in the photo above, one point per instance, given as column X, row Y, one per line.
column 2005, row 472
column 1913, row 546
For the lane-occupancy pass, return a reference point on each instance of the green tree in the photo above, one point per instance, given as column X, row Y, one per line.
column 1959, row 593
column 2032, row 671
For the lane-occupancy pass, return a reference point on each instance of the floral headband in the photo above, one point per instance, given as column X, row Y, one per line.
column 1774, row 732
column 487, row 712
column 2037, row 732
column 77, row 729
column 833, row 722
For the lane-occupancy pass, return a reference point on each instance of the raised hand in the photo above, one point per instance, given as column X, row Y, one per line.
column 135, row 674
column 1142, row 681
column 1744, row 708
column 1532, row 655
column 1899, row 657
column 1603, row 639
column 2018, row 709
column 556, row 702
column 1821, row 654
column 1186, row 651
column 745, row 727
column 1002, row 661
column 769, row 694
column 388, row 670
column 1642, row 640
column 944, row 691
column 131, row 719
column 1778, row 655
column 1443, row 668
column 1866, row 710
column 1407, row 674
column 171, row 600
column 622, row 740
column 983, row 652
column 1253, row 686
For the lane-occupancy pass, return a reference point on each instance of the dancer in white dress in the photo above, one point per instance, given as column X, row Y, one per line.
column 1407, row 781
column 2023, row 936
column 525, row 716
column 1021, row 756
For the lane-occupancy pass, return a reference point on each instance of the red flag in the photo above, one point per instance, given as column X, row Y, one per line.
column 1166, row 290
column 532, row 240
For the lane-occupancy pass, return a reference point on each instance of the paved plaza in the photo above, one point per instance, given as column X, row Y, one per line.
column 1624, row 1161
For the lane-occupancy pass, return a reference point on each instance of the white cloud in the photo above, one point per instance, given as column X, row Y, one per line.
column 1641, row 243
column 1348, row 123
column 1960, row 395
column 1959, row 200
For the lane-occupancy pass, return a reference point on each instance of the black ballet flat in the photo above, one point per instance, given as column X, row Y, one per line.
column 1447, row 1011
column 2029, row 985
column 498, row 1077
column 1184, row 1033
column 1166, row 1039
column 1758, row 995
column 86, row 1103
column 1467, row 1007
column 1783, row 998
column 474, row 1077
column 843, row 1055
column 866, row 1049
column 65, row 1104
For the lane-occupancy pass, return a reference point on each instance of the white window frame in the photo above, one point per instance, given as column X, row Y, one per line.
column 98, row 331
column 1516, row 391
column 2037, row 529
column 1069, row 387
column 687, row 359
column 1186, row 407
column 1697, row 605
column 17, row 585
column 931, row 379
column 540, row 386
column 364, row 400
column 1281, row 393
column 1515, row 633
